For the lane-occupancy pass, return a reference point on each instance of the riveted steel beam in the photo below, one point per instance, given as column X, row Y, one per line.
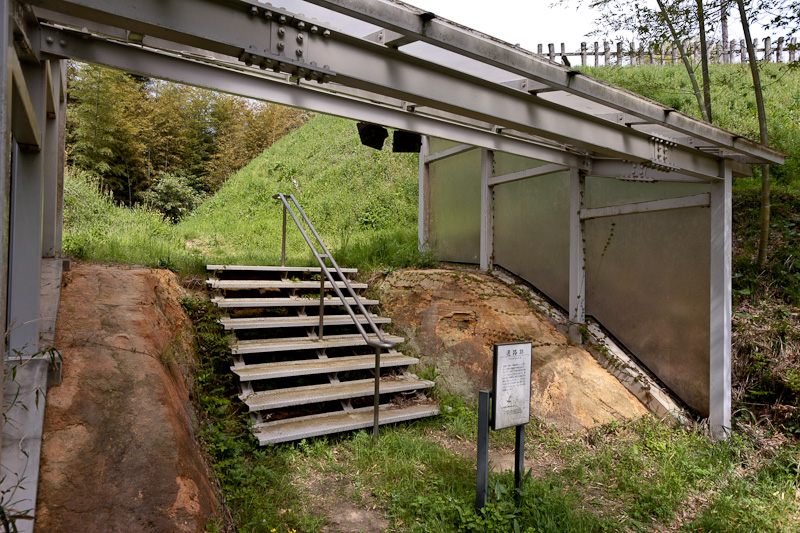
column 234, row 29
column 24, row 124
column 254, row 84
column 414, row 23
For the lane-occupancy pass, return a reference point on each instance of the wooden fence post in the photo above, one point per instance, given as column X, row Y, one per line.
column 619, row 53
column 596, row 54
column 583, row 54
column 768, row 49
column 551, row 51
column 606, row 53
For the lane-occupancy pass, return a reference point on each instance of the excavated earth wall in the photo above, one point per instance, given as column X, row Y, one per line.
column 118, row 451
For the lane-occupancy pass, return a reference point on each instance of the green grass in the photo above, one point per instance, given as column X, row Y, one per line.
column 733, row 102
column 641, row 475
column 362, row 201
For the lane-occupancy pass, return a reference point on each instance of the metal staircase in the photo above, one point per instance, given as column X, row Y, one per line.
column 307, row 350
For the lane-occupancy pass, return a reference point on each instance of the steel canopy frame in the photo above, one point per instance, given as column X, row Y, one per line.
column 241, row 29
column 416, row 24
column 190, row 71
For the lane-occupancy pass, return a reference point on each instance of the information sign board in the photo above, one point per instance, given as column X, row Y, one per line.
column 511, row 405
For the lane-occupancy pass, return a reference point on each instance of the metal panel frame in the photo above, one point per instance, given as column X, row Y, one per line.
column 577, row 258
column 52, row 162
column 487, row 209
column 720, row 301
column 26, row 229
column 698, row 200
column 423, row 221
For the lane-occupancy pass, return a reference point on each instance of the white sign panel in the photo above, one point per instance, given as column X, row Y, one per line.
column 511, row 402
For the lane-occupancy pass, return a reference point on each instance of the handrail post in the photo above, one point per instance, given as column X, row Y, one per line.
column 283, row 243
column 375, row 420
column 321, row 301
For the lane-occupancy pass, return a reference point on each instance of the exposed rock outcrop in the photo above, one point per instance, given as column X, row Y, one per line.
column 452, row 318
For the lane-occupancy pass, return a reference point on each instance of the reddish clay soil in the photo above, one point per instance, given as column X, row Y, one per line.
column 119, row 452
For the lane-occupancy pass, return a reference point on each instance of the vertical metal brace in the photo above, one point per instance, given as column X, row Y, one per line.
column 577, row 246
column 321, row 303
column 283, row 242
column 482, row 486
column 519, row 459
column 424, row 195
column 375, row 414
column 719, row 397
column 487, row 209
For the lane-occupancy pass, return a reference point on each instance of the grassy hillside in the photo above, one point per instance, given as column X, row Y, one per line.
column 362, row 201
column 733, row 102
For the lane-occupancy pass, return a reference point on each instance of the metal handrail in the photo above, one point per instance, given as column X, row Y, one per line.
column 379, row 344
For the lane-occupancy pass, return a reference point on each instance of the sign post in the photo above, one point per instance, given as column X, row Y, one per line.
column 510, row 407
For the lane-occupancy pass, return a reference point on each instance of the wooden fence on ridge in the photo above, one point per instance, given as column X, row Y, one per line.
column 623, row 54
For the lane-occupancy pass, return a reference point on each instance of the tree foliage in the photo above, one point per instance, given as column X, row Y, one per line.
column 130, row 131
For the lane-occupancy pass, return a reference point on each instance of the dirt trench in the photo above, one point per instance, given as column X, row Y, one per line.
column 118, row 452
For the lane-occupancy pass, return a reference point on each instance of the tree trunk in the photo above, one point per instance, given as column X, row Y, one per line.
column 685, row 58
column 763, row 137
column 701, row 20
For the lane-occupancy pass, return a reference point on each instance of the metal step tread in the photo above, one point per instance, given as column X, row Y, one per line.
column 319, row 366
column 275, row 399
column 296, row 321
column 304, row 343
column 243, row 284
column 292, row 301
column 257, row 268
column 324, row 424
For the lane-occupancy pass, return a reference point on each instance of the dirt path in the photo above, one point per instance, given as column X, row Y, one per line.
column 118, row 452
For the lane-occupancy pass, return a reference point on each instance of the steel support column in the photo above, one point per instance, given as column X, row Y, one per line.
column 6, row 47
column 487, row 209
column 577, row 250
column 51, row 170
column 26, row 229
column 423, row 221
column 720, row 301
column 62, row 156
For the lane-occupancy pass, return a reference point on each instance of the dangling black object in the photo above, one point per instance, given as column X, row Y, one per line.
column 372, row 135
column 405, row 141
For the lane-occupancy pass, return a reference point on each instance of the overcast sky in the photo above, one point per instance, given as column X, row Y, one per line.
column 530, row 22
column 523, row 22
